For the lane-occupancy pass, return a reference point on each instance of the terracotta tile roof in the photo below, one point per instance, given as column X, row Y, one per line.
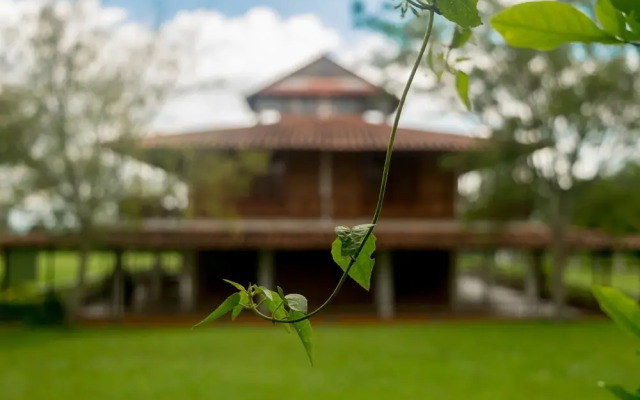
column 307, row 133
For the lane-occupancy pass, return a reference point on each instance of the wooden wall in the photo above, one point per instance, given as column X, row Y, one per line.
column 418, row 187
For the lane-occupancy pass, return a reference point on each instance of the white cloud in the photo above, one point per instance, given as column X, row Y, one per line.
column 239, row 55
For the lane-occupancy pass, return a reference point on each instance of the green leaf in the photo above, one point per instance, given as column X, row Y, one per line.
column 352, row 238
column 622, row 309
column 303, row 329
column 627, row 6
column 229, row 304
column 462, row 86
column 462, row 12
column 545, row 25
column 242, row 304
column 268, row 293
column 276, row 307
column 360, row 231
column 610, row 18
column 362, row 268
column 236, row 285
column 621, row 392
column 297, row 302
column 460, row 37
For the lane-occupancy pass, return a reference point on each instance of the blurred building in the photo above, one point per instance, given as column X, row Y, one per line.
column 326, row 134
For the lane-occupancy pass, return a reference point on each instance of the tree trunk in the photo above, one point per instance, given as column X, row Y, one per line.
column 76, row 299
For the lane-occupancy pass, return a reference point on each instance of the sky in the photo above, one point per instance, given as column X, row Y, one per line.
column 230, row 48
column 333, row 13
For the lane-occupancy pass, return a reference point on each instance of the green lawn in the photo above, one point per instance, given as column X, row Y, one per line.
column 489, row 361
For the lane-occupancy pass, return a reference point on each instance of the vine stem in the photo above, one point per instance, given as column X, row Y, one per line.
column 383, row 184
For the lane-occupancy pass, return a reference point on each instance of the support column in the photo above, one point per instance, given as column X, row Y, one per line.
column 325, row 185
column 384, row 289
column 187, row 284
column 266, row 269
column 266, row 272
column 117, row 300
column 532, row 283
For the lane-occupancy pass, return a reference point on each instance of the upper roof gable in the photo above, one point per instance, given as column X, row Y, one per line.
column 321, row 77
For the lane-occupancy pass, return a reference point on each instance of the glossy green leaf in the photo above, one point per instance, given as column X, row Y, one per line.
column 610, row 18
column 545, row 25
column 462, row 12
column 236, row 285
column 229, row 304
column 297, row 302
column 627, row 6
column 622, row 309
column 303, row 329
column 362, row 268
column 462, row 86
column 460, row 37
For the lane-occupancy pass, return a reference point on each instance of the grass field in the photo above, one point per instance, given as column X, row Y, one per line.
column 488, row 361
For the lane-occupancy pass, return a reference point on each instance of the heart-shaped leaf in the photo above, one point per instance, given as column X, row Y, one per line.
column 363, row 266
column 297, row 302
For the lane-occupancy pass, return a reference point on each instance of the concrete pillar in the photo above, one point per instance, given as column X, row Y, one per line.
column 266, row 269
column 325, row 185
column 117, row 300
column 532, row 283
column 188, row 282
column 384, row 288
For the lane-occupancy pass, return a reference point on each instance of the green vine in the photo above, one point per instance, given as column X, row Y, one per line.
column 353, row 245
column 541, row 25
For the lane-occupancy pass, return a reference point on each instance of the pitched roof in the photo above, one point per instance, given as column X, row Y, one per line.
column 321, row 77
column 346, row 133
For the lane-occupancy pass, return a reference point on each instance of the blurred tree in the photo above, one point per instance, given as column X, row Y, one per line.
column 77, row 92
column 559, row 121
column 611, row 203
column 69, row 86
